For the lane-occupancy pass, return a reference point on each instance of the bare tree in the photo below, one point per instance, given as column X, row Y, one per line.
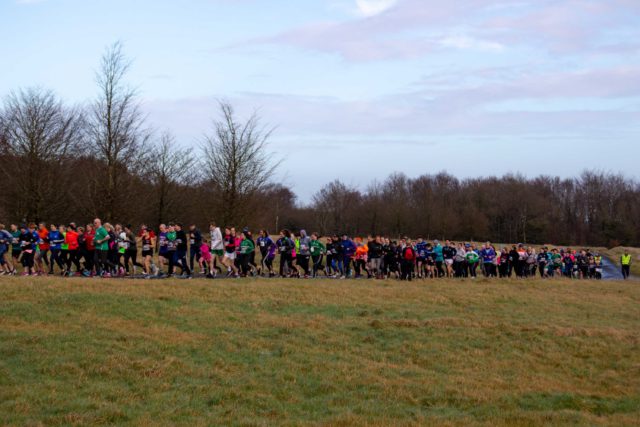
column 116, row 128
column 237, row 162
column 169, row 168
column 38, row 134
column 335, row 204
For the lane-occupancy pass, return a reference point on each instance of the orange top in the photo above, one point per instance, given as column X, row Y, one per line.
column 43, row 233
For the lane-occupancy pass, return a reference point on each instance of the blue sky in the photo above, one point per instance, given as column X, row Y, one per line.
column 358, row 89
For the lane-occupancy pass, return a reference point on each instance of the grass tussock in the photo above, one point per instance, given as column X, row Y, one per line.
column 79, row 352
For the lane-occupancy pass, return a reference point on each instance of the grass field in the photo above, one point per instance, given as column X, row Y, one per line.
column 318, row 352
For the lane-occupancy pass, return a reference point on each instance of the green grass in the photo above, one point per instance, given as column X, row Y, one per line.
column 318, row 352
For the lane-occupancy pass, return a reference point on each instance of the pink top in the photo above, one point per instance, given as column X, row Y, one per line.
column 205, row 253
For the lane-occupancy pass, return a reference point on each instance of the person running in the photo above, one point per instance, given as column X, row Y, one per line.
column 16, row 250
column 205, row 256
column 408, row 260
column 217, row 249
column 90, row 249
column 543, row 261
column 430, row 262
column 180, row 258
column 56, row 239
column 348, row 254
column 375, row 257
column 439, row 258
column 285, row 248
column 330, row 269
column 625, row 262
column 163, row 249
column 101, row 244
column 148, row 246
column 448, row 254
column 360, row 259
column 247, row 247
column 317, row 250
column 488, row 255
column 195, row 242
column 229, row 258
column 303, row 253
column 265, row 245
column 472, row 258
column 42, row 258
column 131, row 251
column 421, row 253
column 28, row 247
column 5, row 251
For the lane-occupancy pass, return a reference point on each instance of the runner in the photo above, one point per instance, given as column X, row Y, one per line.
column 5, row 251
column 285, row 246
column 317, row 250
column 304, row 253
column 246, row 248
column 265, row 245
column 163, row 249
column 42, row 258
column 217, row 249
column 28, row 247
column 375, row 257
column 195, row 242
column 230, row 252
column 101, row 244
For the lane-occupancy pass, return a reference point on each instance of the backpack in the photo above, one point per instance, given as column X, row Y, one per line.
column 409, row 254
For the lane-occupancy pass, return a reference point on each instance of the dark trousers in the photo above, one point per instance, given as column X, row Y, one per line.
column 406, row 268
column 303, row 262
column 317, row 264
column 57, row 259
column 73, row 258
column 194, row 255
column 131, row 255
column 626, row 271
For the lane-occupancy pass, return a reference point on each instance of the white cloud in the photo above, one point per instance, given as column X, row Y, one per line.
column 374, row 7
column 466, row 42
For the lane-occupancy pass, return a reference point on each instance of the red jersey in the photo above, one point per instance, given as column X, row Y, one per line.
column 88, row 239
column 71, row 239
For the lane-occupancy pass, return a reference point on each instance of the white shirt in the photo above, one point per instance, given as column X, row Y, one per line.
column 216, row 240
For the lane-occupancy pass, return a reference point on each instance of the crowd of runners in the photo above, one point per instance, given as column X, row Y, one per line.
column 106, row 250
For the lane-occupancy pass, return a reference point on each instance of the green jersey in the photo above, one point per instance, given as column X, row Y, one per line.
column 15, row 240
column 101, row 234
column 247, row 246
column 316, row 248
column 472, row 257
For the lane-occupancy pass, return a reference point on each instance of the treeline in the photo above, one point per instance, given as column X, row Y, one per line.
column 61, row 163
column 597, row 208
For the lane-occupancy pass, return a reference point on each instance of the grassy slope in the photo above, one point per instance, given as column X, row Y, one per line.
column 323, row 352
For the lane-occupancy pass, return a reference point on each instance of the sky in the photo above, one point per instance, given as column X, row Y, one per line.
column 359, row 89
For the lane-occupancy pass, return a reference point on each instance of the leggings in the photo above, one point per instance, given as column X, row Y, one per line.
column 286, row 264
column 27, row 259
column 102, row 261
column 303, row 261
column 131, row 255
column 317, row 264
column 73, row 258
column 57, row 259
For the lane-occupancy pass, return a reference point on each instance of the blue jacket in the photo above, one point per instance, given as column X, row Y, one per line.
column 488, row 255
column 55, row 239
column 349, row 248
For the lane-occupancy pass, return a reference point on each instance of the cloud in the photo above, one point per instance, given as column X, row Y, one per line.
column 374, row 7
